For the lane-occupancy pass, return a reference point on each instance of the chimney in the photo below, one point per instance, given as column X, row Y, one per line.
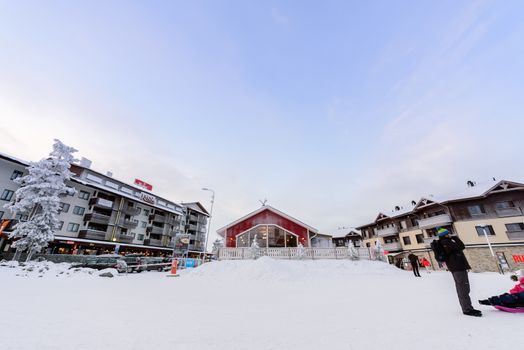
column 109, row 174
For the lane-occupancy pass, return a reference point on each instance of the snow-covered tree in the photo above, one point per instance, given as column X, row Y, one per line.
column 352, row 251
column 217, row 244
column 301, row 251
column 379, row 250
column 255, row 248
column 39, row 199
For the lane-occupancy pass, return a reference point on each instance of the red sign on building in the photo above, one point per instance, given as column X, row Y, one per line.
column 144, row 184
column 518, row 258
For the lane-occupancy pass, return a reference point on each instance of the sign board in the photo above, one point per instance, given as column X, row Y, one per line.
column 148, row 198
column 190, row 263
column 503, row 263
column 518, row 258
column 144, row 184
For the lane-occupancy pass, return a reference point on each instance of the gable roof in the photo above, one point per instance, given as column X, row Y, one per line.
column 221, row 230
column 196, row 206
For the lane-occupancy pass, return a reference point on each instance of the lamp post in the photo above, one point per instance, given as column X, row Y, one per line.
column 209, row 222
column 490, row 248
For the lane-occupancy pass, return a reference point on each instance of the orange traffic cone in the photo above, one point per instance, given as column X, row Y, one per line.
column 174, row 265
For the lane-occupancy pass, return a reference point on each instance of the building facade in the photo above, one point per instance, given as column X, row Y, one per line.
column 270, row 228
column 104, row 216
column 488, row 212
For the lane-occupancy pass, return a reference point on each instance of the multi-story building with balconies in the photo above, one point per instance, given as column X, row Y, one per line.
column 489, row 212
column 105, row 215
column 196, row 226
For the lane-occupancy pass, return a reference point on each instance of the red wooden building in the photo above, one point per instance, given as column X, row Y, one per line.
column 270, row 227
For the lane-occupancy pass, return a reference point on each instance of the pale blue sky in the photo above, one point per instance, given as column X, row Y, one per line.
column 333, row 110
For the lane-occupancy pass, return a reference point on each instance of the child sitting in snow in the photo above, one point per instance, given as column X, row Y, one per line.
column 519, row 287
column 515, row 297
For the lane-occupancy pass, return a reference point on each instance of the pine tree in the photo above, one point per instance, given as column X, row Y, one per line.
column 39, row 199
column 352, row 251
column 217, row 244
column 255, row 248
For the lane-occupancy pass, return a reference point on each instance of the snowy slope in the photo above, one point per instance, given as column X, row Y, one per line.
column 263, row 304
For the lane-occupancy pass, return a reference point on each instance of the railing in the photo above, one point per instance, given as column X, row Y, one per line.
column 515, row 235
column 92, row 234
column 173, row 221
column 192, row 227
column 505, row 212
column 101, row 202
column 131, row 211
column 157, row 218
column 155, row 230
column 392, row 246
column 127, row 223
column 292, row 253
column 434, row 221
column 125, row 238
column 388, row 231
column 97, row 218
column 151, row 241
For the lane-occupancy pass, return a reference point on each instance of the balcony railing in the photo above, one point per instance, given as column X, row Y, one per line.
column 505, row 212
column 101, row 202
column 173, row 221
column 157, row 218
column 127, row 224
column 388, row 231
column 515, row 235
column 155, row 230
column 154, row 242
column 93, row 234
column 434, row 221
column 192, row 227
column 97, row 218
column 131, row 211
column 392, row 246
column 125, row 238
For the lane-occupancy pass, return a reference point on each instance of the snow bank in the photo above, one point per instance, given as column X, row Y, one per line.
column 44, row 269
column 268, row 269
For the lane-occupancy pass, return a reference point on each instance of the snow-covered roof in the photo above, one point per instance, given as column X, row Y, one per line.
column 14, row 159
column 221, row 231
column 196, row 206
column 341, row 234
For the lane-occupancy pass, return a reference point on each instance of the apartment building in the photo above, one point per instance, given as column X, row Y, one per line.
column 105, row 215
column 196, row 226
column 488, row 212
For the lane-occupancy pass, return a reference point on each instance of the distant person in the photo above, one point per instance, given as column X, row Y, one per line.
column 458, row 265
column 425, row 263
column 413, row 259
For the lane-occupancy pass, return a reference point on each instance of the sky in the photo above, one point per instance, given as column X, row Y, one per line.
column 330, row 110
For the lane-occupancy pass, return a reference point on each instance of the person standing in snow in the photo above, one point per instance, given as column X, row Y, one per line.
column 413, row 259
column 458, row 265
column 426, row 264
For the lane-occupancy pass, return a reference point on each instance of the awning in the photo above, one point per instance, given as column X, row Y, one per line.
column 82, row 240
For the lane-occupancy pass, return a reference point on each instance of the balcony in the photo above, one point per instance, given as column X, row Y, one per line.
column 515, row 235
column 157, row 218
column 125, row 238
column 192, row 227
column 173, row 221
column 202, row 220
column 155, row 230
column 194, row 247
column 388, row 231
column 93, row 234
column 127, row 224
column 506, row 212
column 97, row 218
column 154, row 242
column 392, row 246
column 132, row 211
column 435, row 221
column 101, row 202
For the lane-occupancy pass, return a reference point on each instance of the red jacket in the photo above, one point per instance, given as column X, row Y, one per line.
column 518, row 288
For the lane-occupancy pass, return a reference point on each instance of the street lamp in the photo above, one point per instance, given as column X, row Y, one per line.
column 209, row 222
column 487, row 238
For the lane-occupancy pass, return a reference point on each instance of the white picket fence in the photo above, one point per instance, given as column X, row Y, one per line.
column 293, row 253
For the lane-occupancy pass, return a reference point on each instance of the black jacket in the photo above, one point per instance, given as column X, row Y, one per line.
column 413, row 259
column 456, row 260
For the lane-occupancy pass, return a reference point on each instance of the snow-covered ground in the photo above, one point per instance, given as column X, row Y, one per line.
column 263, row 304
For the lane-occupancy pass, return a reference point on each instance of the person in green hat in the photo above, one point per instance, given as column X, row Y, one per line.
column 458, row 265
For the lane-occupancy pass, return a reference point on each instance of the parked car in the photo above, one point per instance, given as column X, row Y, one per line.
column 153, row 264
column 101, row 262
column 134, row 262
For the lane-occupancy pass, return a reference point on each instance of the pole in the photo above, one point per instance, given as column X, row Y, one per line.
column 209, row 222
column 491, row 249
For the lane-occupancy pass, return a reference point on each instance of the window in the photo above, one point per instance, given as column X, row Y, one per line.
column 16, row 174
column 64, row 207
column 406, row 240
column 72, row 227
column 368, row 244
column 489, row 230
column 403, row 225
column 144, row 224
column 419, row 238
column 83, row 195
column 7, row 195
column 414, row 222
column 140, row 237
column 79, row 210
column 1, row 214
column 146, row 212
column 475, row 210
column 504, row 205
column 60, row 225
column 139, row 211
column 516, row 227
column 21, row 217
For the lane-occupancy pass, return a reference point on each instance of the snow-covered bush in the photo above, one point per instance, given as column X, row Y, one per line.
column 379, row 251
column 255, row 249
column 352, row 251
column 301, row 251
column 39, row 199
